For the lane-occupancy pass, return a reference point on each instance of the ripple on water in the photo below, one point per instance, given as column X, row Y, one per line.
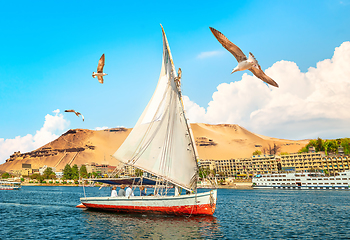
column 50, row 213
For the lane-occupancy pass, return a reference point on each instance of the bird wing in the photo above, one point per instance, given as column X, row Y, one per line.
column 260, row 74
column 76, row 113
column 232, row 48
column 251, row 57
column 101, row 64
column 100, row 79
column 70, row 110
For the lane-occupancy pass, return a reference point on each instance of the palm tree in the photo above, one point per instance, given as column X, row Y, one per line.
column 138, row 172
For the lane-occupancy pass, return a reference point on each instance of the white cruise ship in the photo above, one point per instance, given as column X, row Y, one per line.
column 302, row 180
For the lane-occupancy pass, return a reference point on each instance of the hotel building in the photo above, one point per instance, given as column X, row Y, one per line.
column 263, row 164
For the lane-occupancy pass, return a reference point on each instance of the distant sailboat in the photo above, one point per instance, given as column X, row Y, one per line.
column 161, row 143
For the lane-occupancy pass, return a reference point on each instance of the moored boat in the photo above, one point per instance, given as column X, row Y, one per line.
column 302, row 180
column 7, row 185
column 161, row 144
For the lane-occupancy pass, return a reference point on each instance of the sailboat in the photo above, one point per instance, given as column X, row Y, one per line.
column 162, row 144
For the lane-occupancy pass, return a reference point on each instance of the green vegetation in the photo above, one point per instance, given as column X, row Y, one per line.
column 284, row 153
column 328, row 146
column 37, row 177
column 75, row 172
column 203, row 172
column 67, row 172
column 256, row 152
column 6, row 175
column 138, row 172
column 71, row 173
column 213, row 172
column 83, row 172
column 345, row 143
column 49, row 174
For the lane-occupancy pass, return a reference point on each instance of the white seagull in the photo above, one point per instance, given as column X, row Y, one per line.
column 250, row 64
column 100, row 73
column 76, row 113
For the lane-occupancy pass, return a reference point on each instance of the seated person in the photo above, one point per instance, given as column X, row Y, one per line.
column 155, row 193
column 129, row 192
column 114, row 192
column 121, row 192
column 142, row 191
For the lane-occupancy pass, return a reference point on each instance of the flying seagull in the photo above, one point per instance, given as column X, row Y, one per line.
column 100, row 73
column 76, row 113
column 250, row 64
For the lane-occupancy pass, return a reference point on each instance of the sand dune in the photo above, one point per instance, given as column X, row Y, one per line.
column 81, row 146
column 233, row 141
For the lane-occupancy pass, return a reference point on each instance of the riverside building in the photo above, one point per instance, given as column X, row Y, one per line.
column 266, row 164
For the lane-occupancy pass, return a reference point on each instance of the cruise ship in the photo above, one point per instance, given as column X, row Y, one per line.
column 302, row 180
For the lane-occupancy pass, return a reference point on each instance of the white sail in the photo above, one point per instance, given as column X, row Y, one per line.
column 161, row 142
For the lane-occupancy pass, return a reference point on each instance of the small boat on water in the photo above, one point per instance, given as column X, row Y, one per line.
column 7, row 185
column 302, row 180
column 162, row 144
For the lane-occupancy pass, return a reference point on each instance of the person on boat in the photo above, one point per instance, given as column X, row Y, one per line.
column 128, row 192
column 121, row 192
column 114, row 192
column 154, row 194
column 178, row 191
column 142, row 191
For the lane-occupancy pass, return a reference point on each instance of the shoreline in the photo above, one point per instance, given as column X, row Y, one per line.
column 243, row 185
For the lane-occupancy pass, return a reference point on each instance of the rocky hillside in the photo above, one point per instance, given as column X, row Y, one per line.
column 81, row 146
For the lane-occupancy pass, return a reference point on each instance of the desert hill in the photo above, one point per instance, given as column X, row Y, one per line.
column 81, row 146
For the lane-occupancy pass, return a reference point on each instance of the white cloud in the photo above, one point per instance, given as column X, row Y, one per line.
column 53, row 124
column 306, row 105
column 101, row 128
column 209, row 54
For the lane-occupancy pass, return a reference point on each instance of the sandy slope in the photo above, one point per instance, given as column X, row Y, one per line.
column 233, row 141
column 80, row 146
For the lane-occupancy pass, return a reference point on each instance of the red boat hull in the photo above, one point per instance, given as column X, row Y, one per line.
column 204, row 209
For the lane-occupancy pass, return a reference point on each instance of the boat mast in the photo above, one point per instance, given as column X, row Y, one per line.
column 189, row 129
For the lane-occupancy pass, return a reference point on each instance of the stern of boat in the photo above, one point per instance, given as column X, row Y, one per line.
column 212, row 200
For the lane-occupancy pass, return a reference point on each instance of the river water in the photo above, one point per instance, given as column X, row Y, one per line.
column 50, row 213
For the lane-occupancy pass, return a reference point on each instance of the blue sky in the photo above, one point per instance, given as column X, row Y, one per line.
column 49, row 50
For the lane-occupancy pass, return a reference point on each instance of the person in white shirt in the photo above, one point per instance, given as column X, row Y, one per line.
column 128, row 192
column 114, row 192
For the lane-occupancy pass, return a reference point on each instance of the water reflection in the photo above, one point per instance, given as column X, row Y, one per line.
column 151, row 226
